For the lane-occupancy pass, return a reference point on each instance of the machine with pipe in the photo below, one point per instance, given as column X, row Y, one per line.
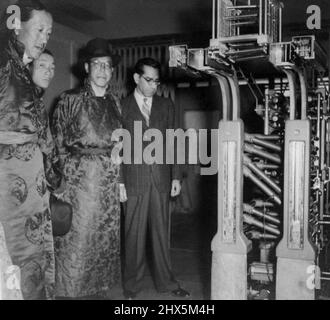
column 286, row 213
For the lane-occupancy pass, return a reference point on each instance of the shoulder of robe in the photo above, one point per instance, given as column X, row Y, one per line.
column 71, row 96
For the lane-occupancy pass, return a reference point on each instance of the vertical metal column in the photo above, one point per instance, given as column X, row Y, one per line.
column 295, row 253
column 213, row 19
column 230, row 246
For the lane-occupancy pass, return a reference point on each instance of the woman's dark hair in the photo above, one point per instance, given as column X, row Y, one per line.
column 40, row 91
column 150, row 62
column 48, row 52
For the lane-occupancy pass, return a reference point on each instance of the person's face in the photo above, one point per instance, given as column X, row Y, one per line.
column 35, row 33
column 148, row 82
column 100, row 71
column 43, row 70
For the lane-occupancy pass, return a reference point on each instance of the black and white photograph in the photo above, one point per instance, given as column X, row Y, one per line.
column 170, row 150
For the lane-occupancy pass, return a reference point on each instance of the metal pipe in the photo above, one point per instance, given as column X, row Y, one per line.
column 292, row 91
column 314, row 234
column 249, row 58
column 273, row 214
column 253, row 15
column 264, row 166
column 242, row 7
column 225, row 90
column 280, row 24
column 267, row 145
column 251, row 88
column 241, row 45
column 266, row 121
column 264, row 154
column 236, row 107
column 246, row 51
column 243, row 23
column 258, row 235
column 266, row 18
column 277, row 81
column 266, row 137
column 218, row 18
column 249, row 209
column 232, row 31
column 247, row 173
column 262, row 203
column 213, row 19
column 260, row 17
column 254, row 222
column 267, row 166
column 248, row 162
column 252, row 139
column 303, row 92
column 318, row 125
column 320, row 134
column 326, row 279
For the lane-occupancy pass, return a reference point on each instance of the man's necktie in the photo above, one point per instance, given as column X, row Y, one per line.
column 146, row 110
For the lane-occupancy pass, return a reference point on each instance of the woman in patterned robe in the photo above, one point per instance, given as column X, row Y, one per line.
column 24, row 198
column 84, row 121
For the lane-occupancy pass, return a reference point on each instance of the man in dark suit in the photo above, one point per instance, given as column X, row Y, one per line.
column 148, row 186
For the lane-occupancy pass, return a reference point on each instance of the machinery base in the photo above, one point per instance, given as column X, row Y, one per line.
column 293, row 279
column 229, row 276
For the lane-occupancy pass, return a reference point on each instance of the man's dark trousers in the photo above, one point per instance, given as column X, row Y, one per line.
column 147, row 212
column 148, row 189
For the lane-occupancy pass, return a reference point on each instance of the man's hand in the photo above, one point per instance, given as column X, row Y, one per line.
column 176, row 188
column 122, row 193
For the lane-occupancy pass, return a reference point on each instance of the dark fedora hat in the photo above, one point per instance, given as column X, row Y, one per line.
column 100, row 47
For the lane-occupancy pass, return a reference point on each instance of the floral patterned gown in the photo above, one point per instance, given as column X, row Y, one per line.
column 88, row 257
column 25, row 145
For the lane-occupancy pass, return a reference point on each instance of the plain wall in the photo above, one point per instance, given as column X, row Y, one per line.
column 140, row 18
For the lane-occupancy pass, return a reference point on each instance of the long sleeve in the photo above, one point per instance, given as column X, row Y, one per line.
column 8, row 109
column 119, row 110
column 53, row 175
column 177, row 169
column 59, row 123
column 17, row 91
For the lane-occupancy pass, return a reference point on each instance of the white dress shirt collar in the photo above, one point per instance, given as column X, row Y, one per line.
column 139, row 97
